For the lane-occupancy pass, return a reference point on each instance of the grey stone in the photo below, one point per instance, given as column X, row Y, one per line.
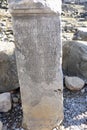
column 5, row 102
column 75, row 59
column 1, row 125
column 8, row 69
column 81, row 34
column 74, row 83
column 15, row 99
column 38, row 50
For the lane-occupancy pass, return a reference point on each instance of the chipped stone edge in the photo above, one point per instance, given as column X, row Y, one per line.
column 38, row 7
column 30, row 12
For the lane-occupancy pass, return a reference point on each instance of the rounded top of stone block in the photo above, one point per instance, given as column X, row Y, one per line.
column 35, row 6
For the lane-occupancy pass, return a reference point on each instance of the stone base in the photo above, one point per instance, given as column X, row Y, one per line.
column 44, row 113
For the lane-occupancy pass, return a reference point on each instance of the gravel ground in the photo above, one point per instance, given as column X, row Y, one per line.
column 75, row 103
column 13, row 118
column 75, row 109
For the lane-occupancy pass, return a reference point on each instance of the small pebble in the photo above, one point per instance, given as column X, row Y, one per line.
column 15, row 99
column 83, row 91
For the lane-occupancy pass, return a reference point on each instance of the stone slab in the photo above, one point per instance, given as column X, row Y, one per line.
column 38, row 52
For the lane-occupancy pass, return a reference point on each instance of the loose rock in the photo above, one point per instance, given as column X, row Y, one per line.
column 8, row 70
column 15, row 100
column 5, row 102
column 74, row 83
column 75, row 59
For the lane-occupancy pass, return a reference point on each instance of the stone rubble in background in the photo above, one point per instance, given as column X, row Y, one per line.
column 6, row 33
column 5, row 102
column 81, row 34
column 73, row 17
column 74, row 83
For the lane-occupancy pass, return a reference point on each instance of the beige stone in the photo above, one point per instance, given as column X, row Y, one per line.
column 37, row 34
column 74, row 83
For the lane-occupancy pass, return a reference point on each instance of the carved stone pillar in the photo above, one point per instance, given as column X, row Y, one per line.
column 37, row 32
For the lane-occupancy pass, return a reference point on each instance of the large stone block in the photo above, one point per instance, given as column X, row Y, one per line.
column 75, row 59
column 37, row 31
column 8, row 68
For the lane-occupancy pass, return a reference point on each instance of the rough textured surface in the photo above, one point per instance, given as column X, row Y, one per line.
column 74, row 83
column 38, row 43
column 5, row 102
column 8, row 71
column 40, row 72
column 75, row 59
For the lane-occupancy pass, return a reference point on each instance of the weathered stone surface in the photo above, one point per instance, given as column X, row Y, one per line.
column 75, row 59
column 5, row 102
column 38, row 51
column 74, row 83
column 8, row 69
